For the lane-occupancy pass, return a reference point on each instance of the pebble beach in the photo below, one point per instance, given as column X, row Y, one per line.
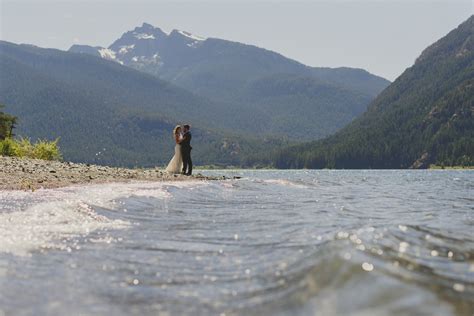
column 33, row 174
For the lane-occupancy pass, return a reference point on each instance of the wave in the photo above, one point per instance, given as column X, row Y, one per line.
column 53, row 218
column 285, row 182
column 325, row 279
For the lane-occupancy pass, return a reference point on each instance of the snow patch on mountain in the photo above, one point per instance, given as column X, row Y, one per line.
column 154, row 58
column 125, row 48
column 191, row 36
column 107, row 53
column 193, row 44
column 144, row 36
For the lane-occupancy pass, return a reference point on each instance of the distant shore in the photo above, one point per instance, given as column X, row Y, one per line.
column 33, row 174
column 436, row 167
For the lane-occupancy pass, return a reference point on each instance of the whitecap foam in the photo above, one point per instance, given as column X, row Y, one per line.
column 45, row 224
column 51, row 218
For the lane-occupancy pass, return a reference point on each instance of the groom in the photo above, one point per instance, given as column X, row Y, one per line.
column 186, row 151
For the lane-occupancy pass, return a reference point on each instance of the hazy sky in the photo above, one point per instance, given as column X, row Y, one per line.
column 382, row 36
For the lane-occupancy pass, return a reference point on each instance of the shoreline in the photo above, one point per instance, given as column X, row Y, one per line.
column 32, row 174
column 437, row 167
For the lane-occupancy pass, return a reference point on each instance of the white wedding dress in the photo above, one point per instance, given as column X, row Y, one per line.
column 176, row 163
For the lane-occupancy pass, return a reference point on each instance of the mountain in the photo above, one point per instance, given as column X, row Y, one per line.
column 182, row 57
column 425, row 117
column 227, row 73
column 107, row 113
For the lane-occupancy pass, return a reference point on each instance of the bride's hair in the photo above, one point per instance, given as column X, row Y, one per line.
column 175, row 130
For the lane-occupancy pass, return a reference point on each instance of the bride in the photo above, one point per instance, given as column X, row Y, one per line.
column 176, row 163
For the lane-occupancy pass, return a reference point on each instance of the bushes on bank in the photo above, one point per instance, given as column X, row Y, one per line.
column 42, row 149
column 23, row 147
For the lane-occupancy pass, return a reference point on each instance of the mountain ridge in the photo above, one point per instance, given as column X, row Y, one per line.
column 154, row 39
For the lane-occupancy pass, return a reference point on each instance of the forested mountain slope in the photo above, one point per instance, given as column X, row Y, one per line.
column 106, row 113
column 425, row 117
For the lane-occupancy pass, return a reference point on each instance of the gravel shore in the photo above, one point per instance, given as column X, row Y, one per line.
column 32, row 174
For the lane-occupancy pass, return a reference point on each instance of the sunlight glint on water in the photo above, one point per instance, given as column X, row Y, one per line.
column 273, row 242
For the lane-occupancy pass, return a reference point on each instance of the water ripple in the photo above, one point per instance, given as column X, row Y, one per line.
column 271, row 243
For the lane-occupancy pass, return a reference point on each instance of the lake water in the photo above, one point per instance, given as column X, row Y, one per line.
column 270, row 243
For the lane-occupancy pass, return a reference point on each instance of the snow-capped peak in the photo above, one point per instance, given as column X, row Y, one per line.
column 146, row 46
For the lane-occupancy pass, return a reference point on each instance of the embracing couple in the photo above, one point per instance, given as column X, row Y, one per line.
column 181, row 161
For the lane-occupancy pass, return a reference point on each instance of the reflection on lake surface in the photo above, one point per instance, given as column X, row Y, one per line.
column 273, row 242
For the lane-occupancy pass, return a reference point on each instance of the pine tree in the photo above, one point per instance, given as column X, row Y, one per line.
column 7, row 124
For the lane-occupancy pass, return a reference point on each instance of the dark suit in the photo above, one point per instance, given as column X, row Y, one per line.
column 186, row 153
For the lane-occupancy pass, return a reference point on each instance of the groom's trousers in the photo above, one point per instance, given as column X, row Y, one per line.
column 187, row 162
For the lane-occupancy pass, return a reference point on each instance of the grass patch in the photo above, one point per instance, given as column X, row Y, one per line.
column 24, row 148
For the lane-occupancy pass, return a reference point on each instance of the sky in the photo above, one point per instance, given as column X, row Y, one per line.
column 382, row 36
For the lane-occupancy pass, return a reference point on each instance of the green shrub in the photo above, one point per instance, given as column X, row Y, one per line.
column 24, row 148
column 7, row 147
column 42, row 149
column 47, row 150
